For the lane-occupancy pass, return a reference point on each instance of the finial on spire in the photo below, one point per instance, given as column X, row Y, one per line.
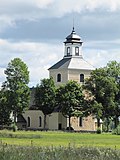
column 73, row 24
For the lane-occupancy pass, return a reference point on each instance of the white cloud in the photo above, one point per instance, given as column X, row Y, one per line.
column 15, row 10
column 99, row 58
column 38, row 57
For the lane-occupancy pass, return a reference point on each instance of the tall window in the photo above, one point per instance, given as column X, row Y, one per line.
column 68, row 51
column 77, row 51
column 59, row 77
column 40, row 121
column 80, row 121
column 28, row 121
column 81, row 77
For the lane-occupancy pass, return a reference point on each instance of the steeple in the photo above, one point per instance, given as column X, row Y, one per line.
column 73, row 45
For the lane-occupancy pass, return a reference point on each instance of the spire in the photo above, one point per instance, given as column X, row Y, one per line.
column 73, row 30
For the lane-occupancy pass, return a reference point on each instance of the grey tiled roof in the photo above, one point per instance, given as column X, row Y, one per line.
column 60, row 63
column 73, row 63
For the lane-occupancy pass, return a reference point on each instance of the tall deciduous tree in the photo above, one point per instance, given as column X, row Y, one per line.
column 113, row 70
column 17, row 79
column 103, row 90
column 70, row 100
column 45, row 97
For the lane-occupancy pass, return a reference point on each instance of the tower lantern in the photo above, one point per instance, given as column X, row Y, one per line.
column 73, row 45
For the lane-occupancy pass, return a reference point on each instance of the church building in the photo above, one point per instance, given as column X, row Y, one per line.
column 71, row 67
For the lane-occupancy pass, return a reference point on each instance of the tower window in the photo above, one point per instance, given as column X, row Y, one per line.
column 40, row 121
column 80, row 121
column 68, row 51
column 77, row 51
column 28, row 121
column 81, row 77
column 59, row 77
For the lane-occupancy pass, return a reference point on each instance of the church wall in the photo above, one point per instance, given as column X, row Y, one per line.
column 88, row 123
column 57, row 121
column 64, row 75
column 53, row 120
column 34, row 119
column 74, row 74
column 62, row 120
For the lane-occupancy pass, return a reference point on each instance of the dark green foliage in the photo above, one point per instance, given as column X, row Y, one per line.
column 103, row 89
column 113, row 70
column 4, row 108
column 70, row 99
column 98, row 131
column 17, row 76
column 14, row 127
column 45, row 97
column 117, row 130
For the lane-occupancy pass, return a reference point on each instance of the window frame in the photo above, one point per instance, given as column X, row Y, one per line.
column 59, row 77
column 28, row 118
column 77, row 51
column 80, row 121
column 82, row 78
column 40, row 121
column 68, row 51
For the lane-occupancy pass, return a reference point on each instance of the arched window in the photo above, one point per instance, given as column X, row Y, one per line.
column 59, row 77
column 28, row 121
column 40, row 121
column 77, row 51
column 68, row 51
column 80, row 121
column 81, row 77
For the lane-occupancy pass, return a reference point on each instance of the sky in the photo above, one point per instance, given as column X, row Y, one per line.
column 34, row 30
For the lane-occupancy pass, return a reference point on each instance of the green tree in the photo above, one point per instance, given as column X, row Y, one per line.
column 4, row 108
column 45, row 97
column 70, row 100
column 102, row 89
column 113, row 70
column 17, row 79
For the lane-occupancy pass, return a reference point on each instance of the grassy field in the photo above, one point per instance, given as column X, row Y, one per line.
column 29, row 145
column 57, row 139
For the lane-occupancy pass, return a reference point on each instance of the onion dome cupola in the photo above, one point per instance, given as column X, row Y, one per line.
column 73, row 45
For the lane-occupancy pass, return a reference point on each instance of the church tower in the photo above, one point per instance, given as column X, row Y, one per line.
column 73, row 45
column 72, row 66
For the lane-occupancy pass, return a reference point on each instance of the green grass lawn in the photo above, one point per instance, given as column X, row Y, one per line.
column 49, row 138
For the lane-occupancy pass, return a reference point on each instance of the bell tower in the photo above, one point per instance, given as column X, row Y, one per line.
column 73, row 45
column 72, row 66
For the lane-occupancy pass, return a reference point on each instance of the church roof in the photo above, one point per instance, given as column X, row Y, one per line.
column 73, row 37
column 73, row 63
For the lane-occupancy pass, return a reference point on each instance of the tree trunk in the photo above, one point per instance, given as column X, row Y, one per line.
column 69, row 123
column 45, row 121
column 116, row 121
column 98, row 122
column 107, row 124
column 15, row 117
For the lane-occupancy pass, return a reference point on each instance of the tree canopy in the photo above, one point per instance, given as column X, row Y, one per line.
column 4, row 108
column 45, row 97
column 16, row 84
column 103, row 89
column 70, row 99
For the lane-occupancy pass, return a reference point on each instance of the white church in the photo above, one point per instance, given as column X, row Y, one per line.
column 71, row 67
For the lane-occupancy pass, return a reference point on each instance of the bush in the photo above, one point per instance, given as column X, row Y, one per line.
column 117, row 130
column 14, row 127
column 98, row 131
